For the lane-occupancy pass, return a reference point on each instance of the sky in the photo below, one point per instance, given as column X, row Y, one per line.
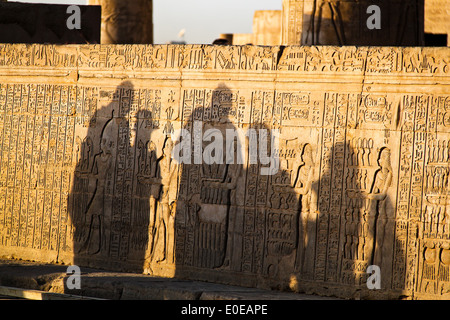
column 203, row 20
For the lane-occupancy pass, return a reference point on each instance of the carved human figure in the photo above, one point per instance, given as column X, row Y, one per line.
column 151, row 170
column 303, row 187
column 95, row 212
column 167, row 168
column 377, row 209
column 229, row 185
column 149, row 176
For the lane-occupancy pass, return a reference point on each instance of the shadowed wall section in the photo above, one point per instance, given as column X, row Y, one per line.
column 363, row 178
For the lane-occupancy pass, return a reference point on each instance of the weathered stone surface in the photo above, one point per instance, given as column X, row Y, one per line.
column 437, row 13
column 126, row 21
column 266, row 30
column 47, row 23
column 127, row 286
column 292, row 22
column 240, row 39
column 86, row 177
column 267, row 27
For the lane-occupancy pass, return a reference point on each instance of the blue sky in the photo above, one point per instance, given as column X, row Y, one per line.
column 203, row 20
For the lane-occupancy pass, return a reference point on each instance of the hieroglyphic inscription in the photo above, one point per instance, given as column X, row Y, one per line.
column 36, row 158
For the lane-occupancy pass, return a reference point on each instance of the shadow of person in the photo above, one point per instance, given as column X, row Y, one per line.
column 93, row 241
column 209, row 207
column 381, row 218
column 306, row 189
column 225, row 215
column 346, row 218
column 108, row 230
column 368, row 214
column 237, row 216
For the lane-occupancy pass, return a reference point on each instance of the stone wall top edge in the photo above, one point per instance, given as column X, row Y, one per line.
column 223, row 46
column 412, row 61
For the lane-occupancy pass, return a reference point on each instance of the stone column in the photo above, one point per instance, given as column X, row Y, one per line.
column 126, row 21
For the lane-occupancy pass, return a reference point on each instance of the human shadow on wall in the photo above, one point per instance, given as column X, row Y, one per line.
column 347, row 220
column 224, row 219
column 208, row 200
column 274, row 228
column 230, row 218
column 368, row 214
column 233, row 219
column 109, row 230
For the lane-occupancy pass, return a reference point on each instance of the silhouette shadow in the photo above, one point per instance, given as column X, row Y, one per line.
column 108, row 231
column 353, row 225
column 324, row 216
column 208, row 203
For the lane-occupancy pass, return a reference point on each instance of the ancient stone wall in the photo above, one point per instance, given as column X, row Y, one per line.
column 363, row 176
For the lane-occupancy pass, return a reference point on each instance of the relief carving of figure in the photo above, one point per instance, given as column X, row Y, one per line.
column 303, row 188
column 84, row 152
column 148, row 175
column 161, row 177
column 95, row 241
column 377, row 209
column 168, row 168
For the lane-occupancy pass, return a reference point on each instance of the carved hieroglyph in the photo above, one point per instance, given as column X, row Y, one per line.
column 292, row 22
column 86, row 177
